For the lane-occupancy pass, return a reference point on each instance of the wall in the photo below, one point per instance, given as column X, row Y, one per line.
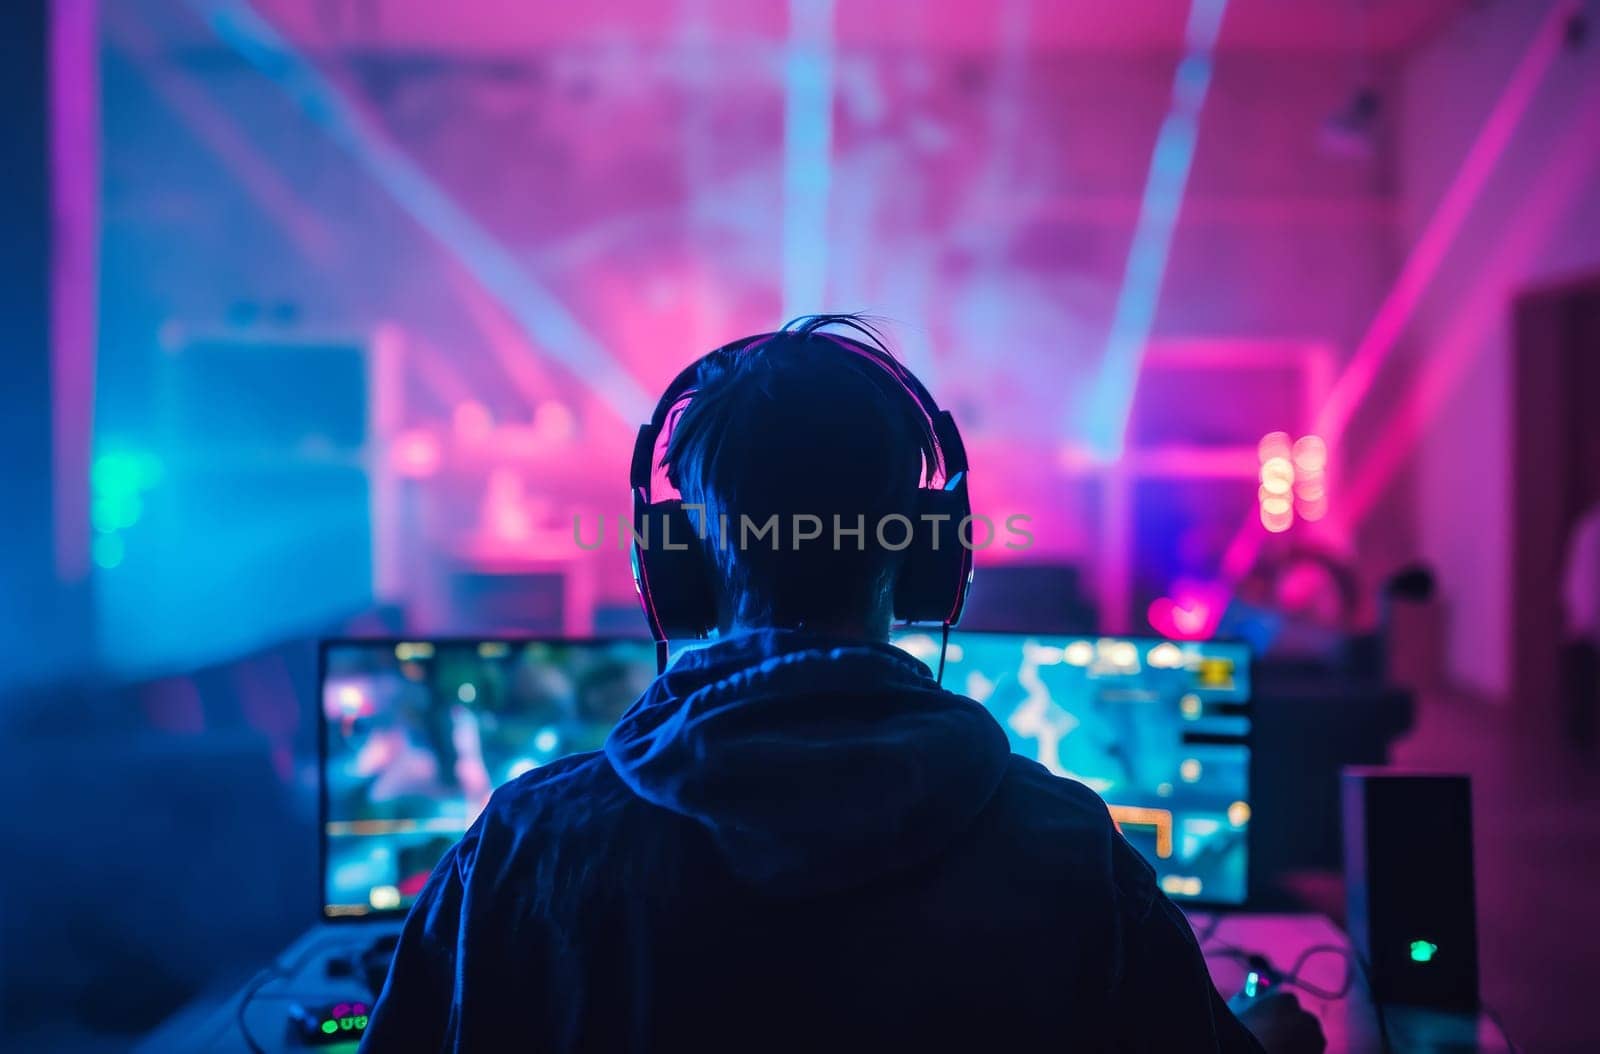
column 983, row 201
column 1537, row 220
column 25, row 540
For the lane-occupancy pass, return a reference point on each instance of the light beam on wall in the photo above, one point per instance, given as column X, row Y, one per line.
column 548, row 324
column 1430, row 248
column 1170, row 162
column 1438, row 373
column 1563, row 175
column 807, row 155
column 259, row 176
column 74, row 269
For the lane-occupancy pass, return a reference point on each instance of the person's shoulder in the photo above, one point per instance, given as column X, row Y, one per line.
column 579, row 773
column 1047, row 827
column 567, row 809
column 543, row 797
column 1046, row 798
column 1075, row 825
column 1051, row 817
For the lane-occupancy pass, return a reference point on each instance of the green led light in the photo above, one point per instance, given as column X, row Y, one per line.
column 113, row 512
column 1423, row 951
column 108, row 550
column 115, row 472
column 330, row 1027
column 124, row 472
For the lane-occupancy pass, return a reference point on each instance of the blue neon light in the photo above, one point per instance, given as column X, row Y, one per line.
column 1170, row 163
column 550, row 326
column 807, row 155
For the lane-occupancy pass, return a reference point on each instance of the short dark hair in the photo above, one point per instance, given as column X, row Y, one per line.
column 793, row 423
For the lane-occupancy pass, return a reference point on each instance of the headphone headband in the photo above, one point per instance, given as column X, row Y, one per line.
column 675, row 582
column 948, row 447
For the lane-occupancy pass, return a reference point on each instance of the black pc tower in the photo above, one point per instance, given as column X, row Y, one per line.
column 1412, row 912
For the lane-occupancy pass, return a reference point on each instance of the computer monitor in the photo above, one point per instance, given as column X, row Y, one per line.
column 1158, row 728
column 416, row 734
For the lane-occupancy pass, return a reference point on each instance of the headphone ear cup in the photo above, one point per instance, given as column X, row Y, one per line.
column 937, row 571
column 672, row 572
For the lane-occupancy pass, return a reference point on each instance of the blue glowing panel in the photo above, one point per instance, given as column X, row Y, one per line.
column 419, row 733
column 1157, row 728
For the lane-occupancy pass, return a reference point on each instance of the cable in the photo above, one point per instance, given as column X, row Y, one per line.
column 1264, row 965
column 1293, row 977
column 944, row 646
column 1213, row 923
column 251, row 990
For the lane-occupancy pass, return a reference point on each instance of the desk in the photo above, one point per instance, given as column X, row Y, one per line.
column 208, row 1024
column 1350, row 1023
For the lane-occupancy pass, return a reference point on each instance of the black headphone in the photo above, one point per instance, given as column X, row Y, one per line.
column 672, row 571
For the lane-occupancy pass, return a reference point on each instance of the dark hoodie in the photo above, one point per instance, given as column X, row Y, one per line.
column 795, row 843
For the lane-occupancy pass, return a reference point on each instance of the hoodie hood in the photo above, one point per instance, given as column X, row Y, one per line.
column 817, row 764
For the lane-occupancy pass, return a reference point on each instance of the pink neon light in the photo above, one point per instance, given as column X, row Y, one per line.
column 1310, row 490
column 1171, row 619
column 1356, row 380
column 472, row 421
column 1191, row 613
column 1273, row 445
column 1276, row 521
column 75, row 193
column 1277, row 476
column 1312, row 509
column 190, row 100
column 505, row 511
column 1310, row 454
column 1424, row 258
column 1178, row 462
column 417, row 454
column 554, row 423
column 512, row 351
column 1571, row 170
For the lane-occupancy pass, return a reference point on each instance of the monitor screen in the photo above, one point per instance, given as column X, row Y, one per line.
column 1158, row 728
column 417, row 734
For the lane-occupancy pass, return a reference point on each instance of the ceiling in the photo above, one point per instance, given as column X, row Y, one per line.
column 485, row 27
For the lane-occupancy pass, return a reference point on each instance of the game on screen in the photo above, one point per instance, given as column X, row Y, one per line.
column 1158, row 728
column 418, row 734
